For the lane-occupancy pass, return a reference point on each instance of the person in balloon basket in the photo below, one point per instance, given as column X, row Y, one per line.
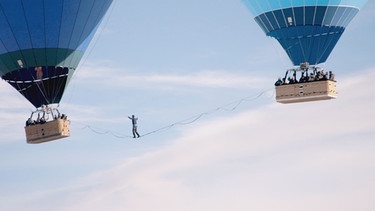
column 279, row 82
column 134, row 122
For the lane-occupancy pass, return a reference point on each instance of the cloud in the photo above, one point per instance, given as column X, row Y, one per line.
column 117, row 78
column 12, row 113
column 310, row 156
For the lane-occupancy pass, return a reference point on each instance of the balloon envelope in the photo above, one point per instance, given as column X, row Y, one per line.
column 308, row 30
column 42, row 42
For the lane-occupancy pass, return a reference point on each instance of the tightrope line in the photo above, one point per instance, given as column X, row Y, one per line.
column 228, row 108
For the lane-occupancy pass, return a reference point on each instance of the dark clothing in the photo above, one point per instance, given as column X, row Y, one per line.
column 279, row 82
column 135, row 132
column 134, row 122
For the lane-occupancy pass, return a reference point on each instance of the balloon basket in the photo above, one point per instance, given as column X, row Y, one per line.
column 305, row 92
column 49, row 131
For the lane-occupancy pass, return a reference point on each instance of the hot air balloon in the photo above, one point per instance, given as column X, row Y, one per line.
column 308, row 31
column 41, row 45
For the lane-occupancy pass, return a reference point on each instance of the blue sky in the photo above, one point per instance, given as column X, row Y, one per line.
column 167, row 61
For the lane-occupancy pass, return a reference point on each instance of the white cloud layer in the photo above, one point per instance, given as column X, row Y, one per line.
column 112, row 77
column 12, row 112
column 310, row 156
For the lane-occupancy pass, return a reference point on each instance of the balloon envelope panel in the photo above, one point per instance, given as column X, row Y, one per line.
column 308, row 30
column 44, row 36
column 258, row 7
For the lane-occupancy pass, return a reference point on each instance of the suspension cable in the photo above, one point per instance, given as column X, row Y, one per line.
column 227, row 107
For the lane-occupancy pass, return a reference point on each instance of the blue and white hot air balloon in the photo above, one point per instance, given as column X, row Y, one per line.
column 308, row 30
column 42, row 43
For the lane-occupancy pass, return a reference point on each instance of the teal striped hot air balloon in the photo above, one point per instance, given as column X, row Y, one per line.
column 42, row 43
column 308, row 30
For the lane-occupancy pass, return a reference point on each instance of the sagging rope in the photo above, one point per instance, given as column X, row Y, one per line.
column 228, row 107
